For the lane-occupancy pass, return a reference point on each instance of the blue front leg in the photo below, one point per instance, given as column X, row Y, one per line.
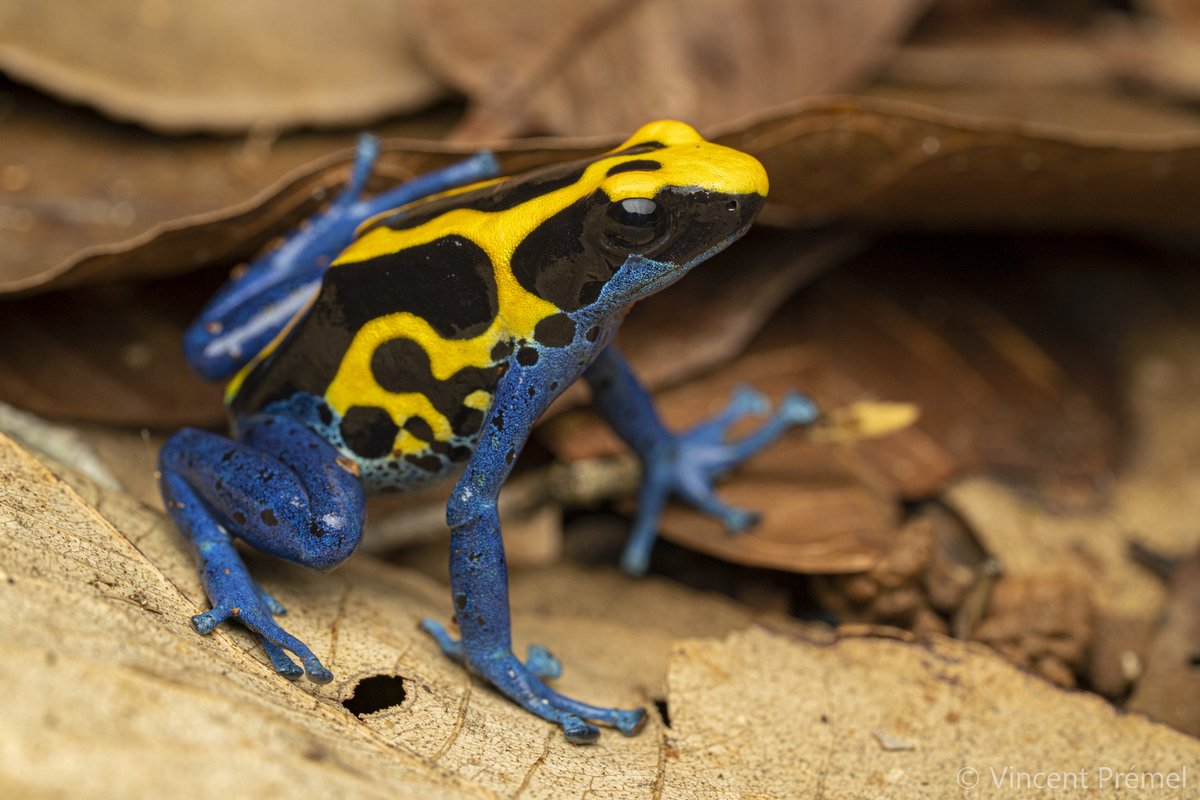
column 479, row 574
column 687, row 463
column 252, row 308
column 281, row 489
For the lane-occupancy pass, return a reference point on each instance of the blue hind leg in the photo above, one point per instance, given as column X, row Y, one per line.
column 251, row 309
column 281, row 489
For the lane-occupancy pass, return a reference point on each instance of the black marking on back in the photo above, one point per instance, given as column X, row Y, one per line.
column 556, row 330
column 419, row 428
column 429, row 463
column 637, row 165
column 495, row 197
column 401, row 365
column 448, row 282
column 369, row 431
column 558, row 262
column 502, row 350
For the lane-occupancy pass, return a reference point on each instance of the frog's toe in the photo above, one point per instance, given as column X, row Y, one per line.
column 276, row 640
column 748, row 401
column 542, row 663
column 578, row 731
column 635, row 560
column 205, row 623
column 257, row 617
column 739, row 520
column 798, row 409
column 452, row 648
column 274, row 606
column 281, row 661
column 630, row 721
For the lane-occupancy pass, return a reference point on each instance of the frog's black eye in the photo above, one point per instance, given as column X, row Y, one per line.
column 635, row 222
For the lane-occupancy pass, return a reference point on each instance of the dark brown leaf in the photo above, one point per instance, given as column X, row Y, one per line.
column 221, row 66
column 1169, row 691
column 108, row 354
column 608, row 66
column 85, row 201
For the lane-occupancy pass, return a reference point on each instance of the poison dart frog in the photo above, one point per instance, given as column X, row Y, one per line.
column 428, row 343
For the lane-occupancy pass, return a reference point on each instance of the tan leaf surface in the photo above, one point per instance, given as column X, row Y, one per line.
column 182, row 67
column 608, row 66
column 883, row 718
column 105, row 676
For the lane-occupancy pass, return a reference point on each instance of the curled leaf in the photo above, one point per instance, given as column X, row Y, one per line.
column 182, row 68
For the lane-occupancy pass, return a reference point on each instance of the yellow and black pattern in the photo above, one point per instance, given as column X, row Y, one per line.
column 397, row 358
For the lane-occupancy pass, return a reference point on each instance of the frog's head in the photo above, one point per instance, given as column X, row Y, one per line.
column 650, row 210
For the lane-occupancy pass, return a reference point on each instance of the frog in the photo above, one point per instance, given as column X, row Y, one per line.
column 419, row 335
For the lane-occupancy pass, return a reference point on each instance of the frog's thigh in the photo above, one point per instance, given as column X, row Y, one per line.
column 281, row 489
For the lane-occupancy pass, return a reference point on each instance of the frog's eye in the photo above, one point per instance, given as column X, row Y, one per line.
column 635, row 222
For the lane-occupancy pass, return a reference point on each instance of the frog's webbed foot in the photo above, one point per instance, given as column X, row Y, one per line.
column 690, row 463
column 235, row 595
column 522, row 682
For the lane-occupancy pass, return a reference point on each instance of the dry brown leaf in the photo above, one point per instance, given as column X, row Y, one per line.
column 926, row 327
column 84, row 201
column 222, row 66
column 877, row 161
column 1168, row 689
column 963, row 714
column 107, row 354
column 608, row 66
column 814, row 519
column 122, row 681
column 1152, row 501
column 1041, row 624
column 1160, row 52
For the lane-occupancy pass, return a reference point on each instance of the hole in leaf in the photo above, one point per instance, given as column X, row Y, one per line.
column 663, row 711
column 375, row 694
column 1194, row 661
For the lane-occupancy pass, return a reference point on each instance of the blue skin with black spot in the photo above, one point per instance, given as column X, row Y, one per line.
column 283, row 488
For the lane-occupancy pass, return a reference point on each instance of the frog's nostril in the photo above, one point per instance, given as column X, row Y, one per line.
column 731, row 206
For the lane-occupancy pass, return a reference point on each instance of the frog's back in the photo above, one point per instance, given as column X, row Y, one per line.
column 396, row 360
